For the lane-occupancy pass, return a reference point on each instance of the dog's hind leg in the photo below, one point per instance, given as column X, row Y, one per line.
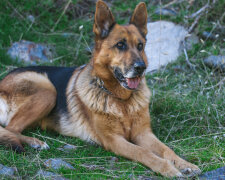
column 11, row 140
column 33, row 98
column 35, row 107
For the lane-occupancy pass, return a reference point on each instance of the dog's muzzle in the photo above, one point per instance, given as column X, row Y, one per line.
column 131, row 79
column 139, row 67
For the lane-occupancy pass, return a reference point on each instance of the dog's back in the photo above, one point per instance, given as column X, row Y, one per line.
column 59, row 77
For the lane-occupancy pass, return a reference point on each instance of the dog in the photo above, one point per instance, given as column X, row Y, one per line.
column 105, row 101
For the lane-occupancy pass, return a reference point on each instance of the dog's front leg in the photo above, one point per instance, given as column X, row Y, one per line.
column 148, row 140
column 121, row 146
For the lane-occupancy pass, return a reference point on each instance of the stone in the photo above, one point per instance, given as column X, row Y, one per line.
column 147, row 178
column 92, row 167
column 30, row 52
column 209, row 35
column 31, row 18
column 67, row 148
column 165, row 12
column 7, row 171
column 57, row 164
column 217, row 174
column 164, row 43
column 49, row 175
column 114, row 159
column 215, row 62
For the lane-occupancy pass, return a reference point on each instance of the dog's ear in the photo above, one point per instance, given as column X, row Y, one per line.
column 140, row 17
column 104, row 20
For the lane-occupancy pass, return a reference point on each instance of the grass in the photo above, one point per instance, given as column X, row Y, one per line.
column 187, row 107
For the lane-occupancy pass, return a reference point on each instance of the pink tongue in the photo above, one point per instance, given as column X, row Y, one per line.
column 133, row 82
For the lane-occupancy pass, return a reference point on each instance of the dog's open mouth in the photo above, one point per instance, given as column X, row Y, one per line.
column 133, row 83
column 128, row 83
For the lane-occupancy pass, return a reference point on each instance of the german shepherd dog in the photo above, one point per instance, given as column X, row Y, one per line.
column 105, row 101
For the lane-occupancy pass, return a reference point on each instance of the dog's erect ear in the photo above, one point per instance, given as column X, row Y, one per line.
column 104, row 20
column 140, row 17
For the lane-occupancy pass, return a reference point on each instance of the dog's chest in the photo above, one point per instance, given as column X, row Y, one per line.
column 125, row 126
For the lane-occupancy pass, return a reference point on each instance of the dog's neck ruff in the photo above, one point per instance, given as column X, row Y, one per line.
column 97, row 98
column 100, row 84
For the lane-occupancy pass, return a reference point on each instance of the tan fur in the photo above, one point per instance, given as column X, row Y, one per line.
column 116, row 118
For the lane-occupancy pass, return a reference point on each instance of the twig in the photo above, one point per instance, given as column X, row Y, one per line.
column 194, row 24
column 192, row 66
column 62, row 142
column 64, row 10
column 171, row 3
column 200, row 10
column 205, row 135
column 218, row 84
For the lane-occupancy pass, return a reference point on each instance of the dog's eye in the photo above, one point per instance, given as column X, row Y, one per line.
column 140, row 46
column 121, row 45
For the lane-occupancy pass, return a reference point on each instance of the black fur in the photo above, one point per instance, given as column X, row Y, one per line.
column 59, row 76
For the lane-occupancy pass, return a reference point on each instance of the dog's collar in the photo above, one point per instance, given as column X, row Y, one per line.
column 100, row 84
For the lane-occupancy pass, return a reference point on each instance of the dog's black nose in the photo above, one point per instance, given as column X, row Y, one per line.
column 139, row 67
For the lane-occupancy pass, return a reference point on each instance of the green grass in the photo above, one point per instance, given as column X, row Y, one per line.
column 187, row 106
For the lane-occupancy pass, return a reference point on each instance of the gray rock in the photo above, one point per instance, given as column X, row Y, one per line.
column 222, row 51
column 49, row 175
column 67, row 148
column 218, row 174
column 114, row 159
column 67, row 34
column 70, row 147
column 147, row 178
column 7, row 171
column 165, row 12
column 31, row 18
column 209, row 35
column 57, row 164
column 215, row 62
column 30, row 52
column 93, row 167
column 164, row 40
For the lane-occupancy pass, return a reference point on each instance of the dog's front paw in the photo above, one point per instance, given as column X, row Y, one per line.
column 190, row 172
column 188, row 169
column 169, row 170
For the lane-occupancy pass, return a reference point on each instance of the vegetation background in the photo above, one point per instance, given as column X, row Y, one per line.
column 187, row 107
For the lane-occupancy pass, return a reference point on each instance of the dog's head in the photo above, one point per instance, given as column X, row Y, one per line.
column 119, row 50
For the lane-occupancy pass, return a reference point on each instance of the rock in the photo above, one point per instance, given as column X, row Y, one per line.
column 114, row 159
column 67, row 34
column 147, row 178
column 49, row 175
column 67, row 148
column 57, row 164
column 209, row 35
column 165, row 12
column 164, row 41
column 93, row 167
column 215, row 62
column 31, row 18
column 215, row 174
column 70, row 147
column 30, row 52
column 7, row 171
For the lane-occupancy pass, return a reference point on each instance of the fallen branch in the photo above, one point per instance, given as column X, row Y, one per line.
column 172, row 2
column 200, row 10
column 218, row 84
column 190, row 29
column 197, row 15
column 192, row 66
column 64, row 10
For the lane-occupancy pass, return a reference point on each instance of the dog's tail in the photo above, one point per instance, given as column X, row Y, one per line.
column 10, row 139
